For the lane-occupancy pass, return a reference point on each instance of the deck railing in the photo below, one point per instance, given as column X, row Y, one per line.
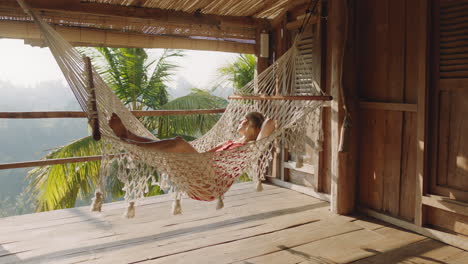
column 78, row 114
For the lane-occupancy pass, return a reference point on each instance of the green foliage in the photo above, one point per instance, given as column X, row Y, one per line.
column 141, row 84
column 244, row 178
column 241, row 71
column 187, row 126
column 58, row 186
column 21, row 204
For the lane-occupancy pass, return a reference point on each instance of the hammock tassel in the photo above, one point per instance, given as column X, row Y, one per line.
column 96, row 205
column 130, row 213
column 220, row 204
column 176, row 207
column 259, row 186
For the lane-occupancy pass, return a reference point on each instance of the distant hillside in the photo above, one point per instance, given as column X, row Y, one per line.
column 184, row 87
column 31, row 139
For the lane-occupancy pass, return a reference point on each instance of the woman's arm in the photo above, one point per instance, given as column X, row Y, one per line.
column 268, row 127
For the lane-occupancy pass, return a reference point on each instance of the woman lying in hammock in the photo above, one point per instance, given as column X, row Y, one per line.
column 252, row 127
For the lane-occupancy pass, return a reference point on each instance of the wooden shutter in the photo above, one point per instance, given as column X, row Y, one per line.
column 450, row 100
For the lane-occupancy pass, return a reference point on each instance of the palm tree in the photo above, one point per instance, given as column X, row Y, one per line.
column 141, row 85
column 241, row 71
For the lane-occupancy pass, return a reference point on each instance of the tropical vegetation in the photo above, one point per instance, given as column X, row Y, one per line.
column 141, row 84
column 241, row 71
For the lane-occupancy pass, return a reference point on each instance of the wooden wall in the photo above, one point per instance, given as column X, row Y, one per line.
column 395, row 114
column 387, row 137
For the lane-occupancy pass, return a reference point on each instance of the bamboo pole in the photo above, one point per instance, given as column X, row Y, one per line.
column 280, row 97
column 93, row 119
column 38, row 163
column 79, row 114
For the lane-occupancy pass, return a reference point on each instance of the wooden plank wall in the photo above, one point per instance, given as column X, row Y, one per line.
column 388, row 81
column 386, row 49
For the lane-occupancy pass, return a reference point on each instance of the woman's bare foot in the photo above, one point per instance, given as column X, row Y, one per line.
column 117, row 126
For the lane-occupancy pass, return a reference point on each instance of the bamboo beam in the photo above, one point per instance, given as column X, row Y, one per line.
column 78, row 114
column 290, row 6
column 39, row 163
column 388, row 106
column 94, row 117
column 296, row 24
column 280, row 97
column 125, row 12
column 108, row 38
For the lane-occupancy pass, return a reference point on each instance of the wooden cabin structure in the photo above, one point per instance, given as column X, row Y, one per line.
column 398, row 69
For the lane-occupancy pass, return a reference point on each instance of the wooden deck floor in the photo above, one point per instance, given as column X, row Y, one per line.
column 275, row 226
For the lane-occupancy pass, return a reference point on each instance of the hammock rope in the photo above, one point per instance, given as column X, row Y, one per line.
column 206, row 175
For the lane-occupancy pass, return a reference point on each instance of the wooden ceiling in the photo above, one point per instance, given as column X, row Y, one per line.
column 224, row 25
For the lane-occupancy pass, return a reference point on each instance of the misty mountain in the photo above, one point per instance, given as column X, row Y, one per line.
column 44, row 96
column 183, row 87
column 32, row 139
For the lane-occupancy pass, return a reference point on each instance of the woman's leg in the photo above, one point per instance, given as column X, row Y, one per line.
column 122, row 132
column 173, row 145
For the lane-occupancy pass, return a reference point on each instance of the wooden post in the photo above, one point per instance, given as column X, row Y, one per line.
column 421, row 81
column 93, row 118
column 342, row 166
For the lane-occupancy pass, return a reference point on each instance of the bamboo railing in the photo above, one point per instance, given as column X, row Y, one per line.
column 78, row 114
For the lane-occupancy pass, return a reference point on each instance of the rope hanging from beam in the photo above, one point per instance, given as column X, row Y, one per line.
column 285, row 92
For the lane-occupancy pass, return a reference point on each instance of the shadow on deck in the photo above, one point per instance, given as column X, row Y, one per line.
column 275, row 226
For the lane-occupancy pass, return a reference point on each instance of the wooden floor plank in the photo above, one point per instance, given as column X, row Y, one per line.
column 323, row 251
column 260, row 245
column 274, row 226
column 421, row 252
column 140, row 235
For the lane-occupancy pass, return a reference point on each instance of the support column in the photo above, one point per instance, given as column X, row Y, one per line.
column 342, row 87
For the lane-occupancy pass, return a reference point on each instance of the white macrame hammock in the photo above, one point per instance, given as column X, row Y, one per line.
column 207, row 175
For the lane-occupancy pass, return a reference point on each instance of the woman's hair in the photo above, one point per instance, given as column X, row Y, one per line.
column 256, row 119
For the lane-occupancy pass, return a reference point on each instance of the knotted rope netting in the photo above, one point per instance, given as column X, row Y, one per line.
column 285, row 92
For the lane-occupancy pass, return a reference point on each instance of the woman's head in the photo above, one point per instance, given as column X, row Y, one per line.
column 251, row 125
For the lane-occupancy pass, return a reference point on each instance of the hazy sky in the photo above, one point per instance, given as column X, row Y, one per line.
column 25, row 65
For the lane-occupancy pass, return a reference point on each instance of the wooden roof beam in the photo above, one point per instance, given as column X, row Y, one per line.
column 97, row 37
column 155, row 14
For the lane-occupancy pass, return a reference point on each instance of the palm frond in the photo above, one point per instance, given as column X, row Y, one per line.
column 188, row 125
column 58, row 186
column 240, row 72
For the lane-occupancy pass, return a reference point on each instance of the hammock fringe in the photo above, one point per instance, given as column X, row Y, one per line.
column 130, row 212
column 96, row 205
column 285, row 92
column 176, row 207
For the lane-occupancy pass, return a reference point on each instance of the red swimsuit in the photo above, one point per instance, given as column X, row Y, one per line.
column 226, row 146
